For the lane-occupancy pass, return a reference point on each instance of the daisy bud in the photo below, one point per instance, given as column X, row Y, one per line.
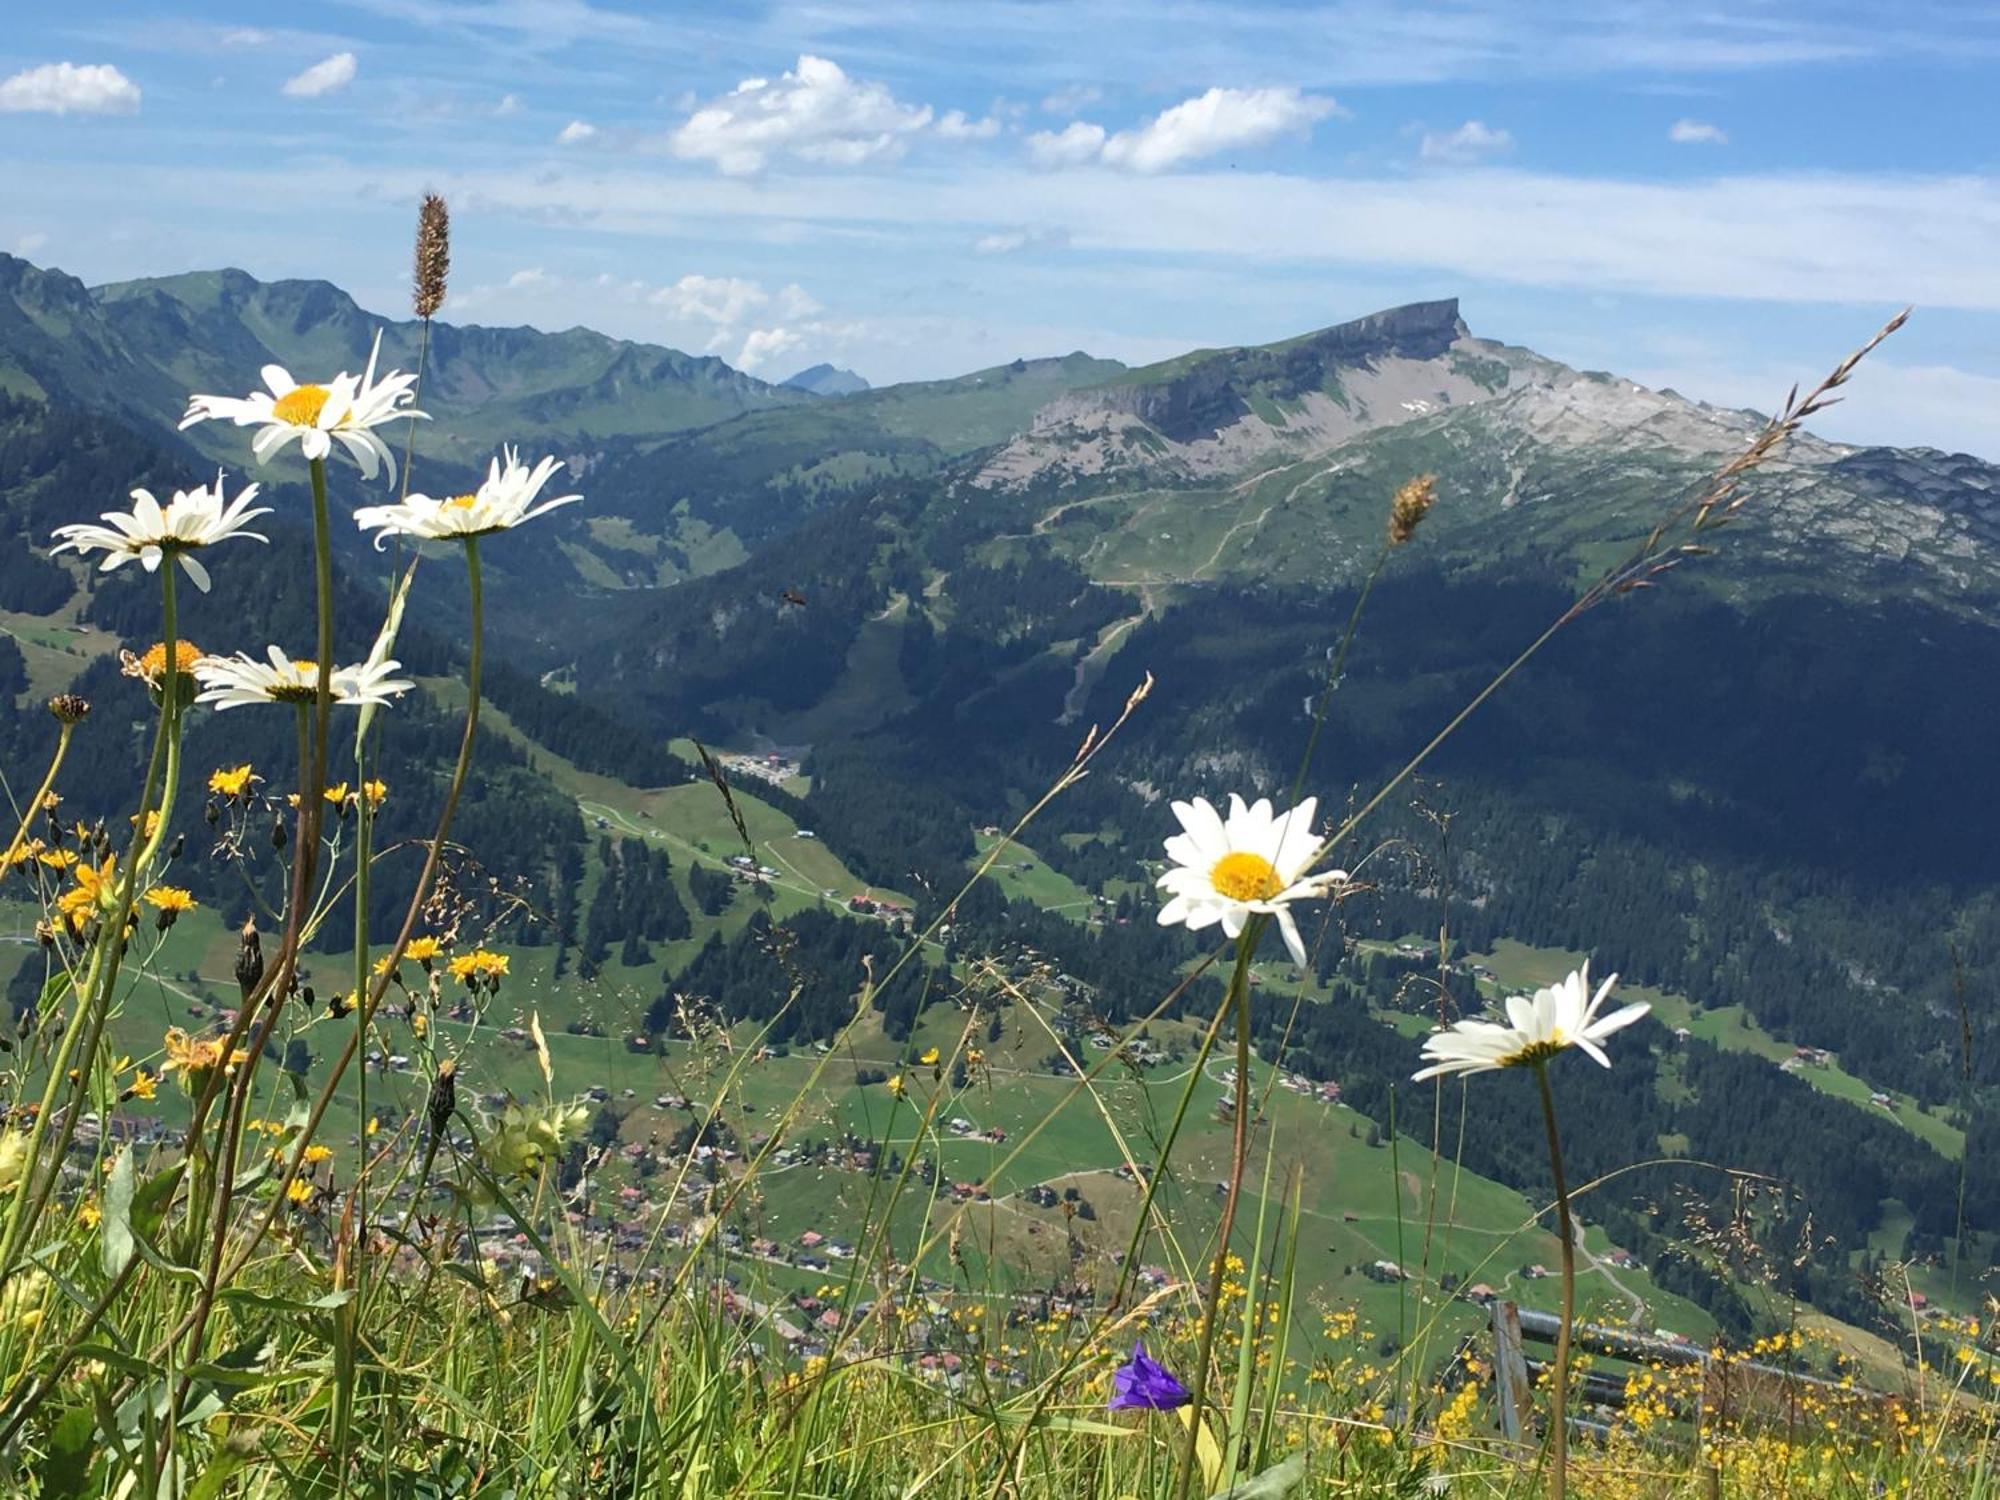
column 277, row 833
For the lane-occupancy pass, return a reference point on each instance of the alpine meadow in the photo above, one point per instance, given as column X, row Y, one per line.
column 1369, row 913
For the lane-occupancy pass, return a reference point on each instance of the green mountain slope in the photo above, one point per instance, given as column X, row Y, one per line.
column 139, row 347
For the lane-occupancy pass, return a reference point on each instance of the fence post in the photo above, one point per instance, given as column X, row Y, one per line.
column 1512, row 1394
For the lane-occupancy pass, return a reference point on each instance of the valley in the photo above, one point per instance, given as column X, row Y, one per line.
column 930, row 592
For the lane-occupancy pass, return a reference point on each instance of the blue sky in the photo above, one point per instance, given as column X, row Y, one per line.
column 1720, row 198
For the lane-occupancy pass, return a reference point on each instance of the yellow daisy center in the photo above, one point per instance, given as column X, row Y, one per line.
column 303, row 689
column 1243, row 876
column 1535, row 1052
column 301, row 405
column 463, row 502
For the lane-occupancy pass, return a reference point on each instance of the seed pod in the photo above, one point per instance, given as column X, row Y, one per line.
column 277, row 833
column 249, row 959
column 444, row 1097
column 69, row 708
column 212, row 814
column 174, row 849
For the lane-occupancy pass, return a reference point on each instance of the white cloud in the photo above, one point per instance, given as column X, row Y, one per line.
column 762, row 344
column 956, row 127
column 794, row 301
column 29, row 243
column 1697, row 133
column 67, row 89
column 1206, row 125
column 1217, row 121
column 715, row 299
column 1071, row 146
column 576, row 133
column 510, row 104
column 322, row 78
column 246, row 36
column 532, row 276
column 816, row 113
column 1012, row 241
column 1469, row 142
column 1068, row 101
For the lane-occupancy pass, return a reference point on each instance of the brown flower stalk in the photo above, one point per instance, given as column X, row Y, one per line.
column 433, row 255
column 1411, row 504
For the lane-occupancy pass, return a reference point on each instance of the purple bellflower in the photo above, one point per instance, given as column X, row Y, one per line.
column 1146, row 1384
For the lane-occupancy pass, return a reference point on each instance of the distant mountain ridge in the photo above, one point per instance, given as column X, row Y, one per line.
column 137, row 348
column 826, row 380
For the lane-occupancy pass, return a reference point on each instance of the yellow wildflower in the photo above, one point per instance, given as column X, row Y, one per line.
column 233, row 781
column 170, row 901
column 94, row 888
column 194, row 1058
column 479, row 964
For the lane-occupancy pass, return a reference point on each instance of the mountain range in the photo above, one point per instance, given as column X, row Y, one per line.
column 1763, row 784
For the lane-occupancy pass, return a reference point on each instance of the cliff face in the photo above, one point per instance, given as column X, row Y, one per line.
column 1217, row 411
column 1199, row 395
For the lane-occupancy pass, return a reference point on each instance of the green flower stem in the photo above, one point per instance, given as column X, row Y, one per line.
column 1559, row 1414
column 379, row 986
column 277, row 985
column 48, row 783
column 101, row 977
column 1237, row 1001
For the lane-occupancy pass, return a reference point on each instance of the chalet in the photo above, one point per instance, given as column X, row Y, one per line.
column 812, row 1239
column 1384, row 1270
column 1479, row 1293
column 1536, row 1272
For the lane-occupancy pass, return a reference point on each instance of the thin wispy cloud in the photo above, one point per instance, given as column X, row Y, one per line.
column 322, row 78
column 1697, row 133
column 1196, row 129
column 1473, row 141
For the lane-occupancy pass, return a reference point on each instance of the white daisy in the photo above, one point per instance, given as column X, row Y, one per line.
column 345, row 408
column 504, row 501
column 150, row 531
column 227, row 681
column 1561, row 1015
column 1254, row 864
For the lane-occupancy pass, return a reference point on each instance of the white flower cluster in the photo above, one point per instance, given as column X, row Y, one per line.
column 345, row 410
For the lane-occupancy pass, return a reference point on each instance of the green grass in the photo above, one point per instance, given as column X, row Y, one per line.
column 1025, row 876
